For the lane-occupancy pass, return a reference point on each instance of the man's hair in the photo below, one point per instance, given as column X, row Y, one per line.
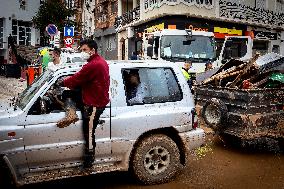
column 90, row 43
column 188, row 61
column 57, row 50
column 207, row 63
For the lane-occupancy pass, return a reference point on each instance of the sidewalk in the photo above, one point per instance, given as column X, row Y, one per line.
column 10, row 87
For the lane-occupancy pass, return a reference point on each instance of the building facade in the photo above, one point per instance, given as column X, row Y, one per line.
column 15, row 20
column 78, row 18
column 105, row 12
column 261, row 19
column 88, row 18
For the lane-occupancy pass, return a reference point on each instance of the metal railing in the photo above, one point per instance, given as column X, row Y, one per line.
column 127, row 17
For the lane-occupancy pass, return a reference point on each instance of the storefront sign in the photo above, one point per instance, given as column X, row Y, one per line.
column 191, row 27
column 265, row 35
column 228, row 31
column 156, row 28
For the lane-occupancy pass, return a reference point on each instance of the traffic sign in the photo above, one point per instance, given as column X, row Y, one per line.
column 68, row 31
column 68, row 41
column 51, row 29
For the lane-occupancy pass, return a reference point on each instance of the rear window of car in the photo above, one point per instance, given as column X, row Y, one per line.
column 151, row 85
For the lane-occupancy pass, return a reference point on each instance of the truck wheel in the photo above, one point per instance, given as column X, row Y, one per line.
column 156, row 159
column 215, row 114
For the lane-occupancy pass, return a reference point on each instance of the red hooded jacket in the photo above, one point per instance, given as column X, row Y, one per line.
column 94, row 81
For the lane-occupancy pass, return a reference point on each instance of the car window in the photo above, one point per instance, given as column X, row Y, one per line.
column 53, row 100
column 151, row 85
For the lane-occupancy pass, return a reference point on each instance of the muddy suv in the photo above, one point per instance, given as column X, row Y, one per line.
column 151, row 137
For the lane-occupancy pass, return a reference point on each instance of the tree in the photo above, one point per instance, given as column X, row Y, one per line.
column 52, row 12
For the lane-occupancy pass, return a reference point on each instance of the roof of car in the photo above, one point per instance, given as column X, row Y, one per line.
column 122, row 63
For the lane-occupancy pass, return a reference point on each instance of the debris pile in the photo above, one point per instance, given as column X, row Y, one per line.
column 28, row 53
column 260, row 72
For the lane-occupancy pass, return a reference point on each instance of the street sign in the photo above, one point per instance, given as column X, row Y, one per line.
column 68, row 41
column 68, row 31
column 51, row 29
column 57, row 40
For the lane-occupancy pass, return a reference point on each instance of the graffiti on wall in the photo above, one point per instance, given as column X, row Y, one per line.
column 252, row 14
column 151, row 4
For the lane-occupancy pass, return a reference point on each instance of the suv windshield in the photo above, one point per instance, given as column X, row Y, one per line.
column 177, row 47
column 25, row 97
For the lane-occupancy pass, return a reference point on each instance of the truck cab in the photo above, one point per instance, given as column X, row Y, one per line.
column 180, row 45
column 235, row 47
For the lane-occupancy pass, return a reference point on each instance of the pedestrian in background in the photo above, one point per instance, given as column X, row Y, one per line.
column 55, row 56
column 134, row 56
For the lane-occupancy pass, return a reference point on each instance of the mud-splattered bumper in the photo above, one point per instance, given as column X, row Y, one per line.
column 193, row 139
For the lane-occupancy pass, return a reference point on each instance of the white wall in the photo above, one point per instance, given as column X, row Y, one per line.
column 10, row 9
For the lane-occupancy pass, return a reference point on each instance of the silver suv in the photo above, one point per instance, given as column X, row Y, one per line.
column 152, row 137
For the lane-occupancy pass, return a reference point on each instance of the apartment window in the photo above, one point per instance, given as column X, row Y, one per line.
column 111, row 43
column 24, row 33
column 260, row 4
column 279, row 7
column 70, row 3
column 1, row 33
column 23, row 4
column 113, row 7
column 15, row 30
column 151, row 85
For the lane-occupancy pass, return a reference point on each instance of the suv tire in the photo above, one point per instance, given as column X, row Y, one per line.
column 156, row 159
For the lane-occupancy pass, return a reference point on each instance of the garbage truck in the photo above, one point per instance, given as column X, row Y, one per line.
column 179, row 45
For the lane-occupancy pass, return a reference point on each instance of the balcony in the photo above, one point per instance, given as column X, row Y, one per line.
column 127, row 17
column 103, row 25
column 103, row 21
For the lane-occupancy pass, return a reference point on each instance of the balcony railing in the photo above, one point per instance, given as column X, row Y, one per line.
column 127, row 17
column 232, row 10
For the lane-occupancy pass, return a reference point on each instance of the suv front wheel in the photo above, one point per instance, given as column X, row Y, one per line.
column 156, row 159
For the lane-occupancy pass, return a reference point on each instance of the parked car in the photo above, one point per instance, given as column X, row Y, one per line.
column 151, row 138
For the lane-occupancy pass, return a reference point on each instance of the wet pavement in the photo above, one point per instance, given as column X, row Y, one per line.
column 10, row 87
column 222, row 167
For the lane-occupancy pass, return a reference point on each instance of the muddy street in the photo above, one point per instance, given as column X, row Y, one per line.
column 223, row 167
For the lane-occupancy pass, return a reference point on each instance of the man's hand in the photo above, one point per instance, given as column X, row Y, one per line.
column 60, row 82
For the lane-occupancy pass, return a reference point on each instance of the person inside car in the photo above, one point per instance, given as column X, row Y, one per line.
column 136, row 90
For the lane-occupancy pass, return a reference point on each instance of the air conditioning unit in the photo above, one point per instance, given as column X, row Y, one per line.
column 130, row 32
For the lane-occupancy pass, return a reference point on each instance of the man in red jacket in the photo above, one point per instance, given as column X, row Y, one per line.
column 94, row 81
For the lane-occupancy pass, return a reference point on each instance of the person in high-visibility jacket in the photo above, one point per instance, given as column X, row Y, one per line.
column 187, row 65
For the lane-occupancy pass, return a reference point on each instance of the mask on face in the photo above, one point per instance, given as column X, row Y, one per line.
column 85, row 56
